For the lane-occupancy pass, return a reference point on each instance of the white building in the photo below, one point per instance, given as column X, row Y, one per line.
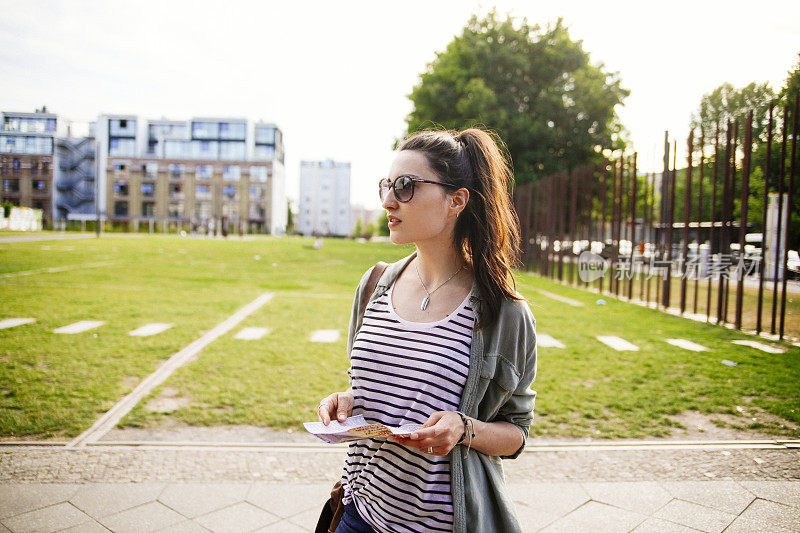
column 324, row 207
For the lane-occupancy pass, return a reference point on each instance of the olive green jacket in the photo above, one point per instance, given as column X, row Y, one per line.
column 501, row 370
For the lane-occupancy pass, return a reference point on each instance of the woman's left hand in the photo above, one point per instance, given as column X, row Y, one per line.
column 438, row 435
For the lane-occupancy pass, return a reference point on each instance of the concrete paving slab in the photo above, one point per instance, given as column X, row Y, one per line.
column 546, row 341
column 18, row 498
column 286, row 500
column 53, row 518
column 656, row 525
column 553, row 498
column 188, row 526
column 533, row 519
column 687, row 345
column 325, row 335
column 86, row 527
column 765, row 515
column 103, row 499
column 307, row 519
column 760, row 346
column 284, row 526
column 148, row 517
column 645, row 497
column 79, row 327
column 195, row 499
column 13, row 322
column 696, row 516
column 727, row 496
column 4, row 529
column 251, row 334
column 242, row 516
column 597, row 518
column 150, row 329
column 617, row 343
column 786, row 492
column 559, row 298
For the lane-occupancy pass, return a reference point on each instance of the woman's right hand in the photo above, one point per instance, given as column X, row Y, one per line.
column 338, row 404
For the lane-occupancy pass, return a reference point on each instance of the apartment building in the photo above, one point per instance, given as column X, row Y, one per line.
column 203, row 174
column 324, row 207
column 26, row 159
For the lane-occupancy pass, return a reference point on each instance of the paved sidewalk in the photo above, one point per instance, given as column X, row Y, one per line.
column 233, row 488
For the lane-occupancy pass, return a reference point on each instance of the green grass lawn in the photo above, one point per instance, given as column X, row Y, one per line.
column 57, row 385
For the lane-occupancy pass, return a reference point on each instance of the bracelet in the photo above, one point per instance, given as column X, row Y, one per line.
column 469, row 430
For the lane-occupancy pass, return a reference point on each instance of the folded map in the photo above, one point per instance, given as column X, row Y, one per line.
column 355, row 428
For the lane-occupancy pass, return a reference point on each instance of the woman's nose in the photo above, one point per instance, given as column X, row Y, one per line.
column 389, row 199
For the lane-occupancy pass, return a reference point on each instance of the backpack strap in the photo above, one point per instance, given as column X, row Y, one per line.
column 377, row 270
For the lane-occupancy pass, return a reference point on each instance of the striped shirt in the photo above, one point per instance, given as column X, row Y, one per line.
column 401, row 373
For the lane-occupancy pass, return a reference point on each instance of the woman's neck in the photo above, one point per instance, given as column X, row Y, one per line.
column 438, row 265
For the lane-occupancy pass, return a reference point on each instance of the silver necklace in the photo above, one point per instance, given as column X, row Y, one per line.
column 428, row 297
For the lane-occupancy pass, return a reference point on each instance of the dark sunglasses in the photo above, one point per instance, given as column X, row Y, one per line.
column 403, row 187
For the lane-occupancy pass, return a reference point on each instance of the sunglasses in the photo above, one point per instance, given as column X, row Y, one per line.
column 403, row 187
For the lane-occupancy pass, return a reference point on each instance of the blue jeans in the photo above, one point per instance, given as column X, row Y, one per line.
column 352, row 522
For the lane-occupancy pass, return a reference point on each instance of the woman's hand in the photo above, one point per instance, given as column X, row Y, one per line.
column 339, row 404
column 438, row 435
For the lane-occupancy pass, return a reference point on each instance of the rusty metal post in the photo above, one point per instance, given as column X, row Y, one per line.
column 747, row 147
column 780, row 220
column 651, row 237
column 731, row 196
column 763, row 262
column 714, row 177
column 724, row 247
column 604, row 201
column 673, row 174
column 792, row 169
column 632, row 202
column 699, row 219
column 687, row 211
column 573, row 230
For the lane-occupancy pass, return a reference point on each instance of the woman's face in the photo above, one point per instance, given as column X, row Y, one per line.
column 428, row 214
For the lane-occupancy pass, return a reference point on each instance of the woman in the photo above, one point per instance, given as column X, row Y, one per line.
column 445, row 342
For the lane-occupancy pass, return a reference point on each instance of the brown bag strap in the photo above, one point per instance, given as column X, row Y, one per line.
column 377, row 270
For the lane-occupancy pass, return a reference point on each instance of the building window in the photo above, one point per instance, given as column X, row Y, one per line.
column 176, row 191
column 122, row 148
column 205, row 130
column 39, row 186
column 231, row 173
column 148, row 189
column 202, row 192
column 119, row 166
column 203, row 210
column 175, row 209
column 11, row 186
column 45, row 167
column 148, row 209
column 229, row 191
column 258, row 174
column 175, row 149
column 235, row 130
column 264, row 153
column 175, row 171
column 151, row 171
column 204, row 172
column 120, row 209
column 265, row 135
column 256, row 211
column 232, row 151
column 121, row 188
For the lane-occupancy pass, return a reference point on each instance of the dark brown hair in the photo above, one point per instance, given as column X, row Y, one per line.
column 487, row 230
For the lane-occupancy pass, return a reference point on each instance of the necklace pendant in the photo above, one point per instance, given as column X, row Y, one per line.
column 424, row 303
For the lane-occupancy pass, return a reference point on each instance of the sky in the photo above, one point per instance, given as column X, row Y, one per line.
column 335, row 76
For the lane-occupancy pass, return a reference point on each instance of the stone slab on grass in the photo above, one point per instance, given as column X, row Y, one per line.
column 80, row 326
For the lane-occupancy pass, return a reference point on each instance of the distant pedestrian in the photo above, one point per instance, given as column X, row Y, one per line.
column 446, row 342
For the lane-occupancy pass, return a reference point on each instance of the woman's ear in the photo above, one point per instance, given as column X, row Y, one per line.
column 459, row 199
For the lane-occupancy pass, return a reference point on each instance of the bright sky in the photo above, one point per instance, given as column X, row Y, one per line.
column 335, row 76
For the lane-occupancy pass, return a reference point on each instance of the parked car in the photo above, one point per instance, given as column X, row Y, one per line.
column 793, row 264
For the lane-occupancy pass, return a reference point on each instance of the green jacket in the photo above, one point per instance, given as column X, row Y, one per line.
column 498, row 388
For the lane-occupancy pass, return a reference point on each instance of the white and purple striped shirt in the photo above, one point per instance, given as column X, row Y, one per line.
column 401, row 373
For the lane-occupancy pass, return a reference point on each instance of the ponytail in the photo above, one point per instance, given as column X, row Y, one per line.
column 487, row 234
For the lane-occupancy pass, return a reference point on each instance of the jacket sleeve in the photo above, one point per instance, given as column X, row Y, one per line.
column 518, row 409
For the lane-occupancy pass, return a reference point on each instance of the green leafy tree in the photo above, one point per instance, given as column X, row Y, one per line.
column 729, row 103
column 536, row 88
column 289, row 219
column 383, row 225
column 358, row 230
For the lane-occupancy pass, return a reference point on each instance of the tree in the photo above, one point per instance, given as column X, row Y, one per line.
column 536, row 88
column 289, row 218
column 358, row 230
column 729, row 103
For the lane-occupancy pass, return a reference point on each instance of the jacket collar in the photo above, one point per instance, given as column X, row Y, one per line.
column 393, row 271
